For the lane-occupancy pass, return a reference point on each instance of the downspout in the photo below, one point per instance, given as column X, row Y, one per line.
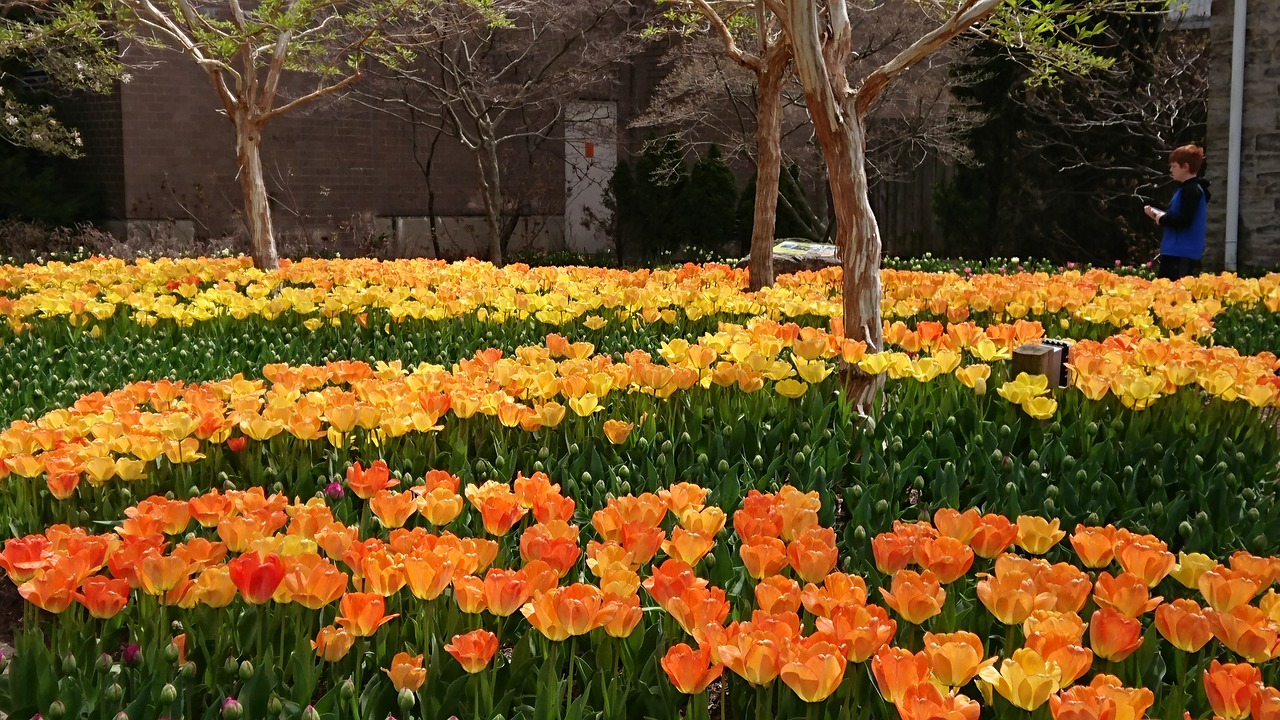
column 1232, row 243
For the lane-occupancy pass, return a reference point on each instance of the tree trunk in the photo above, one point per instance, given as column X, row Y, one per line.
column 768, row 164
column 490, row 187
column 257, row 209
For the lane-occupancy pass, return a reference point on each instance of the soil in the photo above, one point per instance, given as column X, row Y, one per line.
column 10, row 611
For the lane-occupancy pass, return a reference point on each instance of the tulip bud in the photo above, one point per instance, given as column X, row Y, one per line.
column 103, row 663
column 246, row 670
column 625, row 487
column 275, row 706
column 231, row 709
column 661, row 460
column 168, row 693
column 230, row 666
column 405, row 700
column 722, row 467
column 171, row 653
column 586, row 478
column 132, row 655
column 624, row 471
column 188, row 670
column 310, row 713
column 122, row 715
column 544, row 453
column 347, row 690
column 56, row 710
column 69, row 664
column 599, row 485
column 539, row 467
column 114, row 692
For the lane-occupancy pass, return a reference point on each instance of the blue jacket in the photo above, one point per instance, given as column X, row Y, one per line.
column 1184, row 223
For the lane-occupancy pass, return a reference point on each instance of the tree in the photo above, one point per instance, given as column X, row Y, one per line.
column 256, row 55
column 62, row 44
column 821, row 37
column 1091, row 148
column 499, row 74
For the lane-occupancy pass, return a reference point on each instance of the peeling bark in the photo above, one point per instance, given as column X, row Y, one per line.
column 257, row 210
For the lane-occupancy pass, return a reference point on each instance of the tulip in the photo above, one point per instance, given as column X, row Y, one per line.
column 897, row 670
column 915, row 596
column 332, row 643
column 1266, row 704
column 669, row 580
column 1190, row 567
column 688, row 547
column 499, row 508
column 316, row 586
column 505, row 591
column 1247, row 631
column 1184, row 625
column 815, row 671
column 406, row 672
column 955, row 658
column 778, row 594
column 1262, row 569
column 440, row 506
column 959, row 525
column 690, row 671
column 763, row 556
column 393, row 509
column 468, row 591
column 837, row 589
column 946, row 557
column 892, row 552
column 363, row 613
column 697, row 607
column 24, row 558
column 474, row 650
column 618, row 431
column 1230, row 688
column 427, row 574
column 1037, row 535
column 1126, row 593
column 624, row 615
column 1224, row 590
column 1114, row 636
column 1130, row 702
column 755, row 657
column 104, row 597
column 1151, row 562
column 1094, row 545
column 994, row 535
column 1082, row 703
column 1026, row 680
column 683, row 496
column 367, row 483
column 926, row 701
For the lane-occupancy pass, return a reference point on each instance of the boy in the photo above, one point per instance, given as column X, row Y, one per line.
column 1184, row 222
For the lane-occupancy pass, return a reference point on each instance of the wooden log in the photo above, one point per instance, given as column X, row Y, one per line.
column 1038, row 359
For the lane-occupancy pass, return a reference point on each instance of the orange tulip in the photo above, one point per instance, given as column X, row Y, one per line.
column 1094, row 545
column 813, row 554
column 1266, row 704
column 440, row 505
column 548, row 507
column 623, row 613
column 776, row 594
column 1125, row 593
column 689, row 670
column 994, row 535
column 366, row 483
column 427, row 574
column 892, row 552
column 763, row 556
column 1150, row 561
column 814, row 671
column 210, row 508
column 392, row 508
column 505, row 591
column 755, row 657
column 946, row 557
column 332, row 643
column 474, row 650
column 858, row 630
column 1072, row 659
column 24, row 558
column 212, row 587
column 1062, row 587
column 1112, row 635
column 363, row 613
column 897, row 670
column 1263, row 569
column 160, row 573
column 618, row 431
column 1184, row 625
column 1248, row 632
column 926, row 701
column 556, row 543
column 104, row 597
column 1082, row 703
column 382, row 571
column 468, row 591
column 499, row 508
column 915, row 596
column 959, row 525
column 697, row 607
column 688, row 547
column 955, row 658
column 1054, row 622
column 837, row 589
column 316, row 586
column 1226, row 590
column 1230, row 688
column 406, row 672
column 670, row 580
column 642, row 541
column 1130, row 702
column 683, row 496
column 1037, row 535
column 706, row 520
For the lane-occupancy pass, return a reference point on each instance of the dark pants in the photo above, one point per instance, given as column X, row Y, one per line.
column 1173, row 268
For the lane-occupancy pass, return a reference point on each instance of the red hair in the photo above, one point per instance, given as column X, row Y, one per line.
column 1190, row 155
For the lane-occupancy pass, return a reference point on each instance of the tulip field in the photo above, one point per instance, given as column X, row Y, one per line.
column 413, row 489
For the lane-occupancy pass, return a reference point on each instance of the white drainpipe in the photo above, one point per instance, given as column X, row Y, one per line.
column 1237, row 128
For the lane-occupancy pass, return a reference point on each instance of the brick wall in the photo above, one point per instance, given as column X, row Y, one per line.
column 1259, row 246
